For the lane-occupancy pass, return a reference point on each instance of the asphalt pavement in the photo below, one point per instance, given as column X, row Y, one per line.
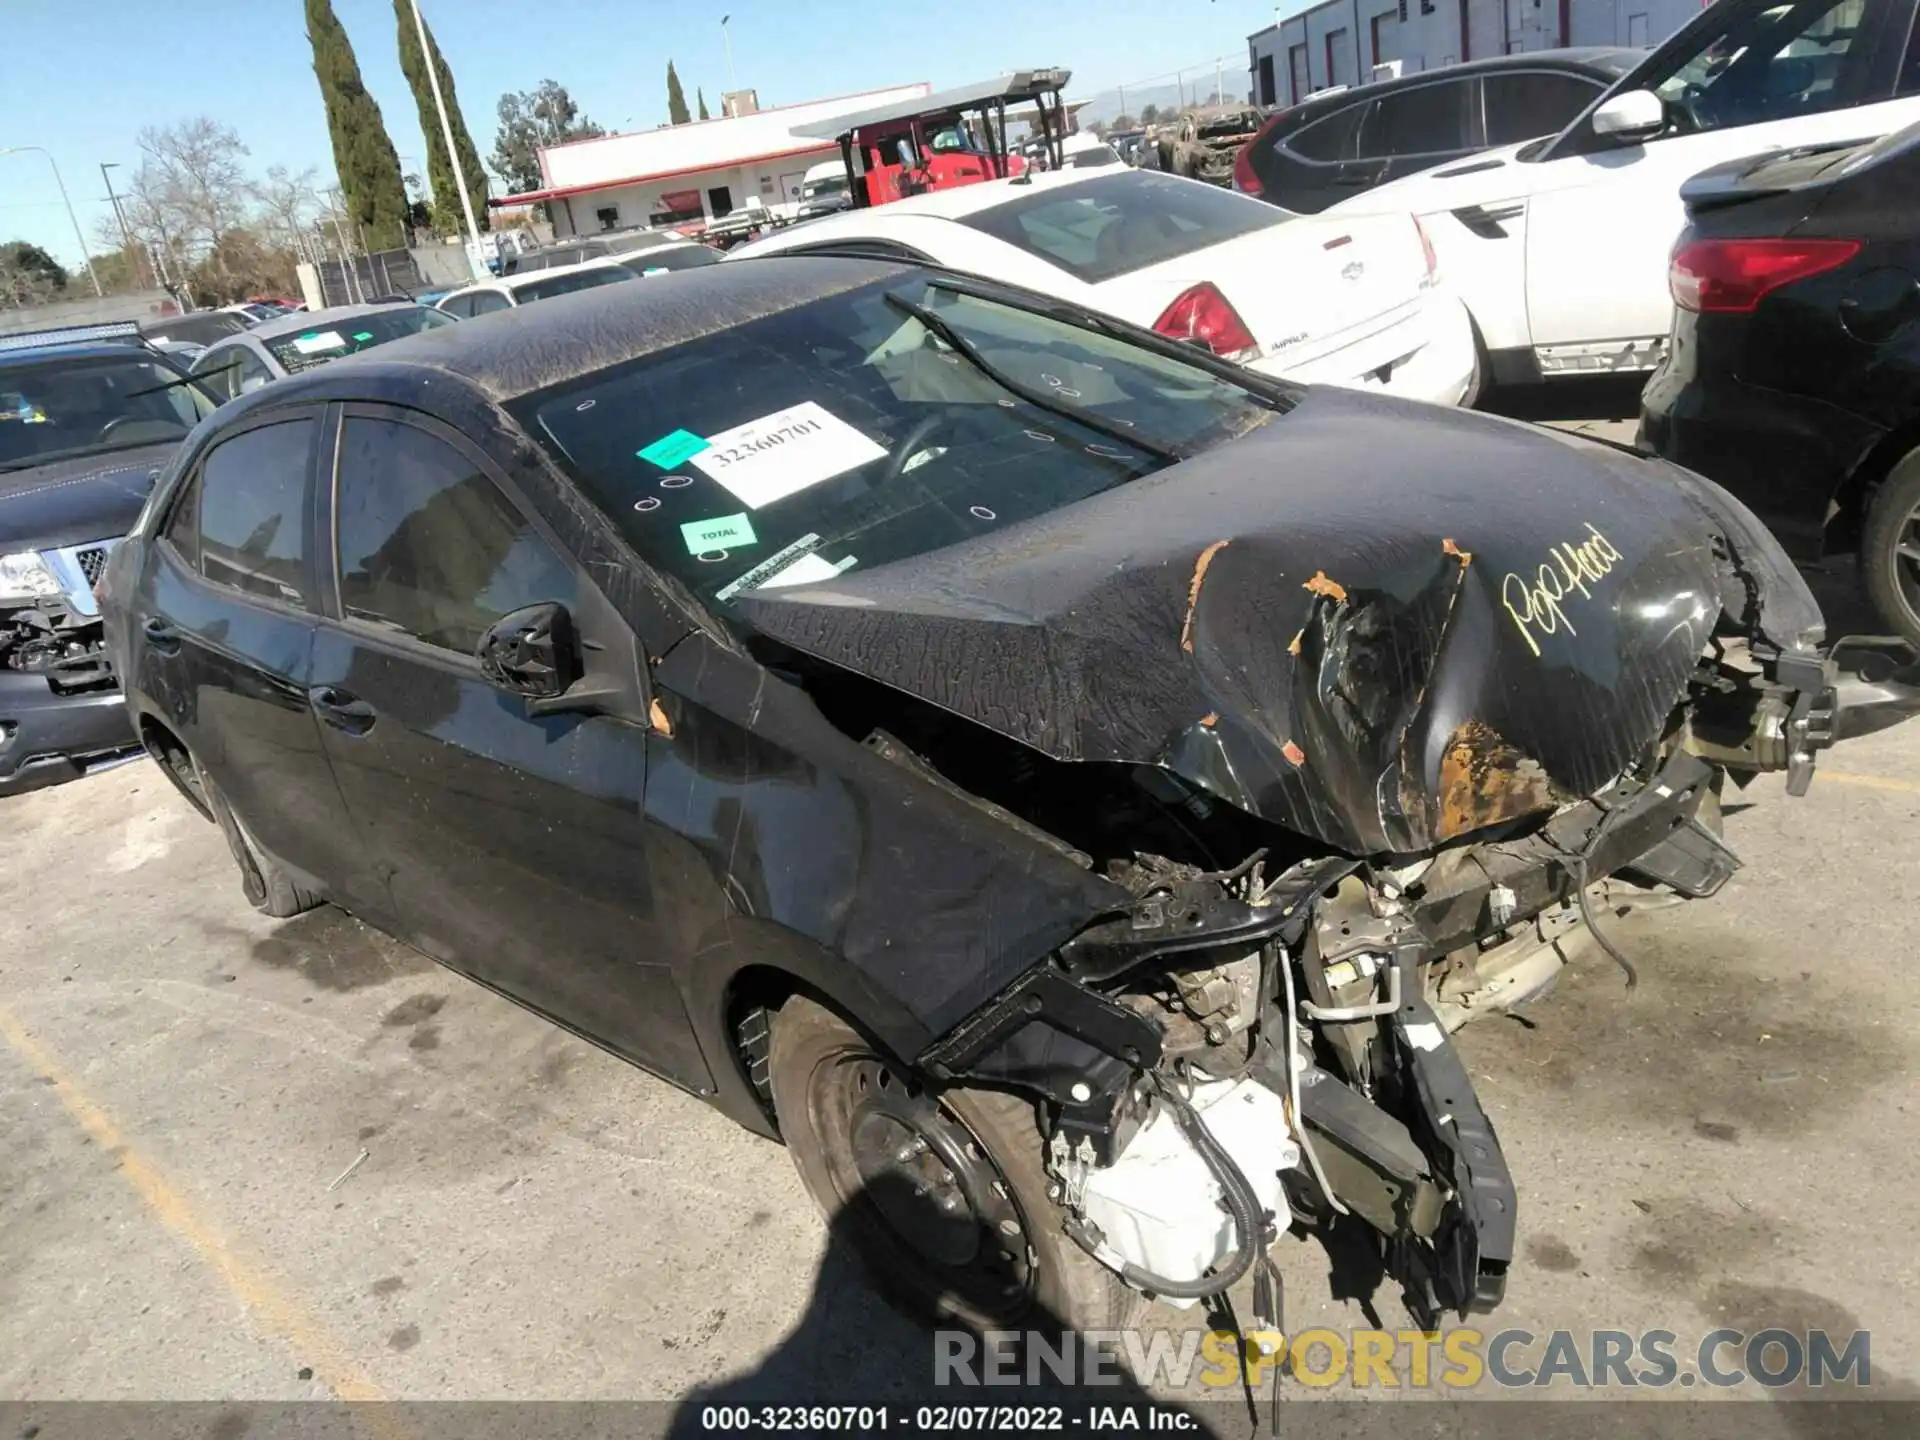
column 280, row 1160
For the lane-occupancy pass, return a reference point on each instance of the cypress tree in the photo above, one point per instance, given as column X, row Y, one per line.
column 676, row 98
column 448, row 217
column 363, row 156
column 703, row 103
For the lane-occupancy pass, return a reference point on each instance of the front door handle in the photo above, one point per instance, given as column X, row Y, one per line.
column 161, row 636
column 342, row 710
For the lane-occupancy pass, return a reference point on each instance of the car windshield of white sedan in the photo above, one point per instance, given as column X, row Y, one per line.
column 849, row 431
column 331, row 339
column 1123, row 222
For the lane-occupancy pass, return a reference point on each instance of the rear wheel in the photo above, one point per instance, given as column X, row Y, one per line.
column 1890, row 549
column 941, row 1194
column 268, row 886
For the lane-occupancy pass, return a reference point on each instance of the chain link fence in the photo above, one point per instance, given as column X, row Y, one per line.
column 364, row 278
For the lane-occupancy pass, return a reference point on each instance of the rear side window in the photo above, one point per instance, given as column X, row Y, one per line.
column 1330, row 138
column 1525, row 106
column 1420, row 120
column 1123, row 222
column 428, row 544
column 485, row 302
column 253, row 512
column 568, row 283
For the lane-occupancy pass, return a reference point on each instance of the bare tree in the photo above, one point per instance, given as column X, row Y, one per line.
column 290, row 206
column 193, row 188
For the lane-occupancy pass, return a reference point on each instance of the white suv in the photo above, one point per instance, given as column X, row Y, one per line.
column 1559, row 246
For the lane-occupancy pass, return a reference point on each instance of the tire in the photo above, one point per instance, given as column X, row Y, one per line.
column 830, row 1086
column 263, row 880
column 1892, row 580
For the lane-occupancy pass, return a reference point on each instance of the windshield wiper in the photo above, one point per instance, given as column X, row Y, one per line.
column 1033, row 395
column 183, row 380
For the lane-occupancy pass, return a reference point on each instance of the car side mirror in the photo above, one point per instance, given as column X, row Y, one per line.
column 1630, row 116
column 533, row 651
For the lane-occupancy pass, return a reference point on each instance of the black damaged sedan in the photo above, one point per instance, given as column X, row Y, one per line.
column 1065, row 787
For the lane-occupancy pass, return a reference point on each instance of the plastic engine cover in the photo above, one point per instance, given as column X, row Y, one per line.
column 1159, row 1205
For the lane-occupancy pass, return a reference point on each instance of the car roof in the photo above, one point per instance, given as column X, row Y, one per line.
column 512, row 353
column 301, row 321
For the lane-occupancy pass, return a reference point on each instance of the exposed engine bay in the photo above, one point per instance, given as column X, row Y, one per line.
column 53, row 639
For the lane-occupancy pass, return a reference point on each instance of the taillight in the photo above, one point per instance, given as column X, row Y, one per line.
column 1203, row 316
column 1426, row 248
column 1245, row 178
column 1733, row 276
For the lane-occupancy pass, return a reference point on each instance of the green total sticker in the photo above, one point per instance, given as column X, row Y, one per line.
column 671, row 450
column 364, row 335
column 726, row 532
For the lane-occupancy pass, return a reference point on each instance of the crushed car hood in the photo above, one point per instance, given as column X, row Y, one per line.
column 72, row 501
column 1375, row 623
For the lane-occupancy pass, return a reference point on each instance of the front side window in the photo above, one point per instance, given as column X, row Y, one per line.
column 71, row 405
column 568, row 283
column 1769, row 64
column 1123, row 222
column 1533, row 103
column 852, row 432
column 253, row 512
column 428, row 545
column 332, row 339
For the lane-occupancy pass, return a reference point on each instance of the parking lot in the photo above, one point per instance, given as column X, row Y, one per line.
column 268, row 1160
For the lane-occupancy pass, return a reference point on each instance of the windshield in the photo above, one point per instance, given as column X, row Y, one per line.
column 568, row 283
column 847, row 432
column 676, row 257
column 832, row 185
column 1122, row 222
column 69, row 406
column 329, row 340
column 202, row 328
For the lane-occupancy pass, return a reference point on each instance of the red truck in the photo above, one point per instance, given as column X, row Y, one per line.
column 953, row 137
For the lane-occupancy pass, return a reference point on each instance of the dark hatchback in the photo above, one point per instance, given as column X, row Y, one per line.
column 970, row 738
column 1325, row 150
column 1794, row 373
column 85, row 428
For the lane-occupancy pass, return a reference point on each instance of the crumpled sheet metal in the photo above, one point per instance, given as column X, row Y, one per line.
column 1377, row 624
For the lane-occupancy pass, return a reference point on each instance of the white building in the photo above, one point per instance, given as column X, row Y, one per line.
column 1341, row 42
column 688, row 175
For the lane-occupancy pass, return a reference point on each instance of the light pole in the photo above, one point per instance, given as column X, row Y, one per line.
column 475, row 264
column 72, row 219
column 726, row 38
column 126, row 235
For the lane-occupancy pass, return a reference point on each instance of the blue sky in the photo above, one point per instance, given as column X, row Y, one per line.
column 82, row 79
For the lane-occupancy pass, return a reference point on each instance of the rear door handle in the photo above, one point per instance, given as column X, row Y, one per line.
column 161, row 636
column 342, row 710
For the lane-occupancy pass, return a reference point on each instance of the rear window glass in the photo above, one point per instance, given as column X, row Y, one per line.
column 675, row 257
column 1123, row 222
column 331, row 339
column 1332, row 138
column 848, row 432
column 568, row 283
column 199, row 329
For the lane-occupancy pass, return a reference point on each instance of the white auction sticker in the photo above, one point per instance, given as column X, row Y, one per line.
column 323, row 340
column 777, row 455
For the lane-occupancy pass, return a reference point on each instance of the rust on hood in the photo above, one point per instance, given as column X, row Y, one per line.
column 1321, row 585
column 1465, row 557
column 1209, row 720
column 658, row 716
column 1484, row 780
column 1293, row 646
column 1193, row 591
column 1296, row 757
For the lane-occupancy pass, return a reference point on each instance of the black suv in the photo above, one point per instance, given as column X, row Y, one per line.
column 87, row 419
column 1332, row 147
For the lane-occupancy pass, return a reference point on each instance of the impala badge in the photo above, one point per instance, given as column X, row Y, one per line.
column 1353, row 270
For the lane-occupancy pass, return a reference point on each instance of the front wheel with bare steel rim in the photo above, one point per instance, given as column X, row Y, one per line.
column 1890, row 549
column 942, row 1194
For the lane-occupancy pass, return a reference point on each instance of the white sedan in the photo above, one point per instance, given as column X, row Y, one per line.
column 1334, row 301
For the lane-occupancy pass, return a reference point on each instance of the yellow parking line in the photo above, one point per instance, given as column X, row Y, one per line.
column 1870, row 782
column 301, row 1332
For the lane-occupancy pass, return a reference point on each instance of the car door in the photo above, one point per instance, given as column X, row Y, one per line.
column 1772, row 73
column 512, row 843
column 228, row 620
